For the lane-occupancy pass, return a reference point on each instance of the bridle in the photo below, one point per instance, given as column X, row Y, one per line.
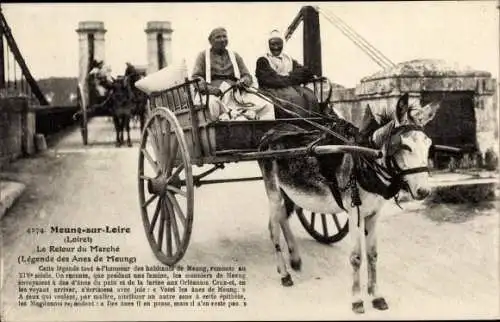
column 387, row 178
column 394, row 146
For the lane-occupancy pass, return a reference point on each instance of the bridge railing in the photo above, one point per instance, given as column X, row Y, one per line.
column 15, row 76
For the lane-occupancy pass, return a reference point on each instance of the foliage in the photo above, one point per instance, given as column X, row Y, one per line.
column 61, row 90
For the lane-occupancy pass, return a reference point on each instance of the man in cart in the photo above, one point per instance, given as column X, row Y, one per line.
column 221, row 69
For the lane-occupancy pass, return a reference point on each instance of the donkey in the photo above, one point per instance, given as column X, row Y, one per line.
column 118, row 98
column 139, row 98
column 324, row 184
column 122, row 107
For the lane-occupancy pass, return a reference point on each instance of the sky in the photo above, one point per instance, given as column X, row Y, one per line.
column 464, row 32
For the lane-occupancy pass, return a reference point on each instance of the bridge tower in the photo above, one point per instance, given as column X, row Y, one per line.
column 159, row 37
column 91, row 45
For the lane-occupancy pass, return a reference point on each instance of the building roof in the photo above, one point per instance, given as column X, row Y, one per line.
column 427, row 68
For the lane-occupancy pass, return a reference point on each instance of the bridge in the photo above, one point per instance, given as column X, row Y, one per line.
column 440, row 250
column 34, row 110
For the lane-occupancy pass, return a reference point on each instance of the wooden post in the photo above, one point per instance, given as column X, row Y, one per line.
column 312, row 40
column 2, row 58
column 498, row 76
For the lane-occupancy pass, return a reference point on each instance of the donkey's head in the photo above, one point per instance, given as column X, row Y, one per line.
column 406, row 146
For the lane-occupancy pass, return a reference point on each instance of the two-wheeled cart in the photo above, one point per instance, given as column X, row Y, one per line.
column 179, row 135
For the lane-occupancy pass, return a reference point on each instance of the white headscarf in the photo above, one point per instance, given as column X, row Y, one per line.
column 282, row 63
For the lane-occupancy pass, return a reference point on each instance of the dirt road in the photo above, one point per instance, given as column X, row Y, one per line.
column 434, row 262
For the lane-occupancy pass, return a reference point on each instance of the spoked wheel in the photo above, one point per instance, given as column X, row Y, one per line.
column 84, row 127
column 325, row 228
column 82, row 104
column 165, row 186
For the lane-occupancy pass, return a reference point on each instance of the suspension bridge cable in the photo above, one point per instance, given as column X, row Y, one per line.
column 8, row 67
column 365, row 48
column 358, row 40
column 358, row 36
column 15, row 74
column 11, row 42
column 360, row 46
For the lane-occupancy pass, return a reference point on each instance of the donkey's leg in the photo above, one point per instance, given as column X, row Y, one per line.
column 295, row 260
column 371, row 250
column 127, row 127
column 355, row 260
column 276, row 211
column 120, row 129
column 116, row 123
column 141, row 115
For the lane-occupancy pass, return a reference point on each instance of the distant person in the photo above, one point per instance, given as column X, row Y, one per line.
column 130, row 69
column 282, row 76
column 131, row 76
column 221, row 68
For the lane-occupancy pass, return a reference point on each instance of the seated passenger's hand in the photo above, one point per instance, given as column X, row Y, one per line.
column 211, row 90
column 244, row 82
column 240, row 84
column 215, row 91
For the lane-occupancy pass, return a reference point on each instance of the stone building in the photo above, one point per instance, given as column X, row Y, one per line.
column 467, row 118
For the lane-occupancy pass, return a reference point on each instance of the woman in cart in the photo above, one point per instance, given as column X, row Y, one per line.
column 281, row 76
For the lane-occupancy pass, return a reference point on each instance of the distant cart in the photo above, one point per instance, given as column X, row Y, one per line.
column 90, row 103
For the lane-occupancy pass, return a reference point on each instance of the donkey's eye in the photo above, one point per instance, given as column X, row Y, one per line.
column 405, row 147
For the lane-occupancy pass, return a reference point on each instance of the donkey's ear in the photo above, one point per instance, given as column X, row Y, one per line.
column 402, row 108
column 426, row 113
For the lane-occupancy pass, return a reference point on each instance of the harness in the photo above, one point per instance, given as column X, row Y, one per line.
column 386, row 180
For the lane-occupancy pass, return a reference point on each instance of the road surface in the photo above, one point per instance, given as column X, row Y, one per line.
column 437, row 261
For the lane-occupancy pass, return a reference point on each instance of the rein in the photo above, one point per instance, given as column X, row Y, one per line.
column 315, row 124
column 365, row 168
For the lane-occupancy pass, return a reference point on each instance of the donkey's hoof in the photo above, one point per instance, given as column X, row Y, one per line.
column 129, row 144
column 358, row 308
column 296, row 264
column 380, row 304
column 287, row 280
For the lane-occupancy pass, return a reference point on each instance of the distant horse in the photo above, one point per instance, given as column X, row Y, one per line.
column 117, row 99
column 348, row 182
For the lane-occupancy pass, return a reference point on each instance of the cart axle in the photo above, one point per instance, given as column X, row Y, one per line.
column 157, row 186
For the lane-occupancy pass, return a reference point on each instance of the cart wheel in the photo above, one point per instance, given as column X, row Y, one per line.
column 325, row 228
column 83, row 116
column 165, row 186
column 84, row 127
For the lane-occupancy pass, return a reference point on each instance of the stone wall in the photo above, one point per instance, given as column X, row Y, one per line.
column 420, row 78
column 17, row 128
